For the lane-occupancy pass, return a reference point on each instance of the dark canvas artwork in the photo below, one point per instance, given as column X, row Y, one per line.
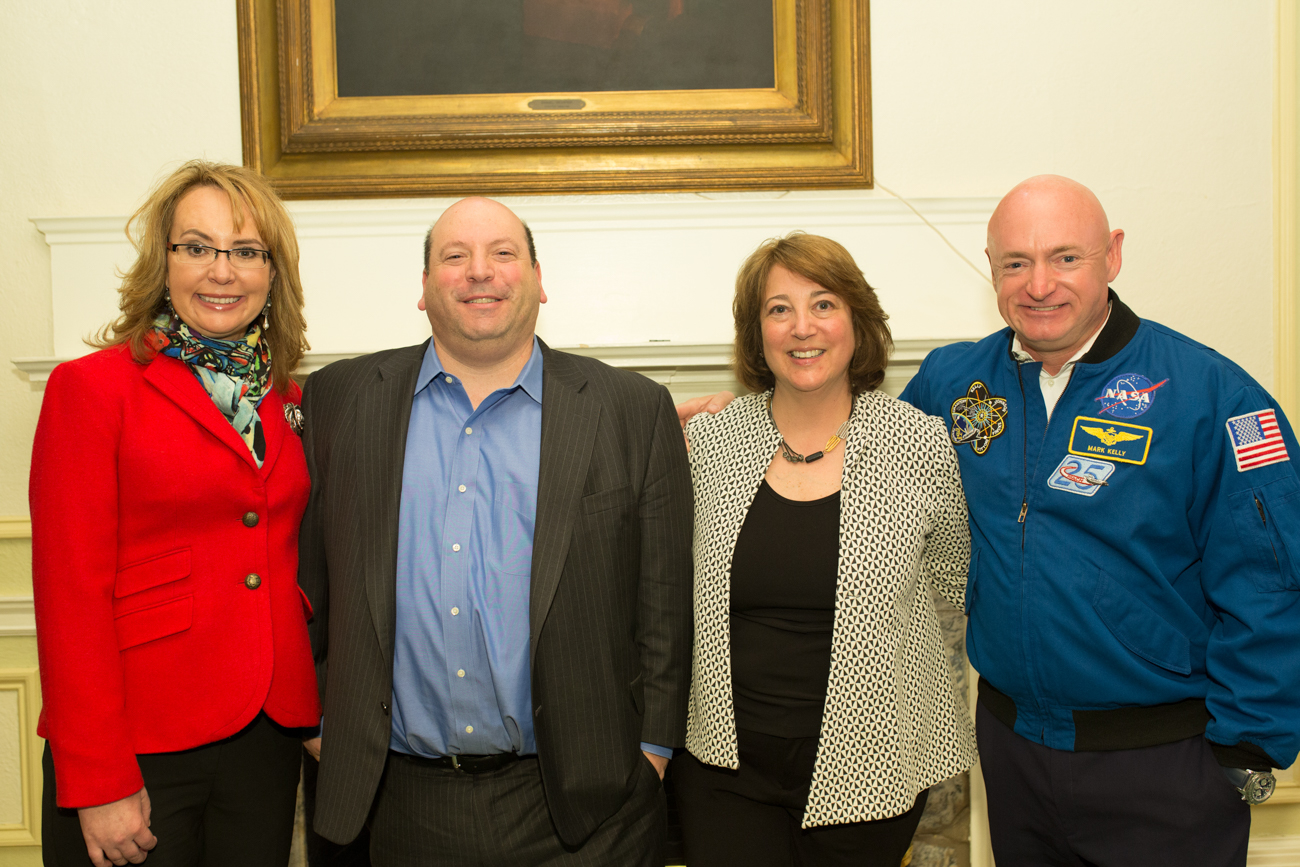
column 449, row 47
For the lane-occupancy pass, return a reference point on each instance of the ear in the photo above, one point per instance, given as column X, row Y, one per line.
column 1114, row 257
column 541, row 292
column 424, row 287
column 993, row 274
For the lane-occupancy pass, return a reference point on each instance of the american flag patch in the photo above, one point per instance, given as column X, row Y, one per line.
column 1256, row 440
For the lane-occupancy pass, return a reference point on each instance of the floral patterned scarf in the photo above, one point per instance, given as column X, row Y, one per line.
column 236, row 374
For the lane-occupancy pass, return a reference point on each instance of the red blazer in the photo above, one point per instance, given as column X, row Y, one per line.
column 164, row 566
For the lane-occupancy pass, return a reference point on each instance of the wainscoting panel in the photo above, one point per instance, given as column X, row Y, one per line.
column 20, row 758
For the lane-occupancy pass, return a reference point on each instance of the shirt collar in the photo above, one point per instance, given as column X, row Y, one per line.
column 529, row 379
column 1018, row 350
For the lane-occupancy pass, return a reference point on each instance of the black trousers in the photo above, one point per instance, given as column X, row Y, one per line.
column 229, row 802
column 322, row 852
column 439, row 816
column 1168, row 804
column 750, row 817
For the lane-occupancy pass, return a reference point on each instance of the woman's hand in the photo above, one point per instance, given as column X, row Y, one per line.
column 118, row 833
column 312, row 745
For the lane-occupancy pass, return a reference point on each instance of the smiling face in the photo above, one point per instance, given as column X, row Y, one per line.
column 481, row 287
column 807, row 334
column 1053, row 257
column 215, row 299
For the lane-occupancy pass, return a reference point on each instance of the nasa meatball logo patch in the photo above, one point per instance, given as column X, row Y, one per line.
column 1128, row 395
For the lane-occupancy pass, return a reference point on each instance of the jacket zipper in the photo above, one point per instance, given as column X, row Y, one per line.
column 1264, row 521
column 1024, row 500
column 1024, row 420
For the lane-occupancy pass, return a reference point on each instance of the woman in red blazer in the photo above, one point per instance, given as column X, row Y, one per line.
column 167, row 484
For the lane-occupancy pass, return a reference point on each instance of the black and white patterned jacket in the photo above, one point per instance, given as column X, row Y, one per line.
column 892, row 724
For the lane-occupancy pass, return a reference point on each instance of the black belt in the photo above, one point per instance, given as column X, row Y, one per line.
column 1121, row 728
column 466, row 764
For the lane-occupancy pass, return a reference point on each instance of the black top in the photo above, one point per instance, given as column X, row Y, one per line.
column 783, row 576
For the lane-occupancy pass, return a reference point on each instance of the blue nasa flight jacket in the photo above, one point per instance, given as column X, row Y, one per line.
column 1130, row 585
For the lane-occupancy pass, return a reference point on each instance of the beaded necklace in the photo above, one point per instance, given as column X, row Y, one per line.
column 793, row 456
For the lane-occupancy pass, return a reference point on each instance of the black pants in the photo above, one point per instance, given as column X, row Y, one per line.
column 431, row 816
column 1168, row 804
column 751, row 817
column 230, row 802
column 322, row 852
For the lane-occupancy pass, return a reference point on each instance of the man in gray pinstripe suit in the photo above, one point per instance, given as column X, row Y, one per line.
column 497, row 551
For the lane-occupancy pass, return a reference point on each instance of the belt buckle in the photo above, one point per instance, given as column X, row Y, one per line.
column 455, row 763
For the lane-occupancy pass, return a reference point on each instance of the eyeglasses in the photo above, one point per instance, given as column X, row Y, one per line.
column 249, row 258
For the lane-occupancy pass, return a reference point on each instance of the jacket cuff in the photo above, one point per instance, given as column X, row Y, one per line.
column 1242, row 755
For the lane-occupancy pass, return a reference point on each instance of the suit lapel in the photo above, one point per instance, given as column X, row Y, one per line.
column 383, row 414
column 569, row 422
column 174, row 379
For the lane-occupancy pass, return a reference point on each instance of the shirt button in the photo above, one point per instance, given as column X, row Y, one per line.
column 469, row 430
column 460, row 673
column 252, row 581
column 449, row 379
column 250, row 519
column 462, row 489
column 455, row 547
column 455, row 612
column 469, row 730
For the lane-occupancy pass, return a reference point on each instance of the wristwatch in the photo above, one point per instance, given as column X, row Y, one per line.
column 1256, row 787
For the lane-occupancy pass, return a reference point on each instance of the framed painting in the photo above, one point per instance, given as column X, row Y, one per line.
column 447, row 97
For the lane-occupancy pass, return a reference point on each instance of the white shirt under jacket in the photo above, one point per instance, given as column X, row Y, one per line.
column 892, row 723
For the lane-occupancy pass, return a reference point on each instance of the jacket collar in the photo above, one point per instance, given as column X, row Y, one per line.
column 174, row 379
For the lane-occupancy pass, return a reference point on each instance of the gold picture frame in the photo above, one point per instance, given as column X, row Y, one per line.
column 812, row 130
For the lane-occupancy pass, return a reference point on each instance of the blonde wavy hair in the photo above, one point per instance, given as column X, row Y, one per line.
column 144, row 284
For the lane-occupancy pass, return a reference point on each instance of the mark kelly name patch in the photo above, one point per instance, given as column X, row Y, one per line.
column 1080, row 475
column 1110, row 439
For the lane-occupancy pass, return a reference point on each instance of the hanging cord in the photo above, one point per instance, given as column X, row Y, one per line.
column 937, row 231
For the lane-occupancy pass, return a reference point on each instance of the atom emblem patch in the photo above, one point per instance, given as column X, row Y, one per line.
column 978, row 418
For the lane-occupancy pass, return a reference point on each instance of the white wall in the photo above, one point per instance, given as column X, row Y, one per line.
column 1164, row 108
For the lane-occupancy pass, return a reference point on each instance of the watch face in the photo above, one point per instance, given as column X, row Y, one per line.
column 1259, row 788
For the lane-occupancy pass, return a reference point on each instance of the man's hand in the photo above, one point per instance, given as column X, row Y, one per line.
column 118, row 833
column 312, row 745
column 709, row 403
column 660, row 762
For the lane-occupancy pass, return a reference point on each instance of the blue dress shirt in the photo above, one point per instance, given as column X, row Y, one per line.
column 461, row 679
column 461, row 683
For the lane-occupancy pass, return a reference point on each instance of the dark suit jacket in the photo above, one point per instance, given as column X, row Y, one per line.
column 610, row 609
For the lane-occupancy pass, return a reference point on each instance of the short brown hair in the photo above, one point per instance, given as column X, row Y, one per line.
column 144, row 285
column 830, row 266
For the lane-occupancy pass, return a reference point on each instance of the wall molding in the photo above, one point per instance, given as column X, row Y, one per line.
column 15, row 527
column 1273, row 852
column 588, row 214
column 1286, row 154
column 686, row 368
column 26, row 682
column 17, row 616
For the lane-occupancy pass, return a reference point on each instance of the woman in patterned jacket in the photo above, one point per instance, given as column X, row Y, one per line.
column 822, row 707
